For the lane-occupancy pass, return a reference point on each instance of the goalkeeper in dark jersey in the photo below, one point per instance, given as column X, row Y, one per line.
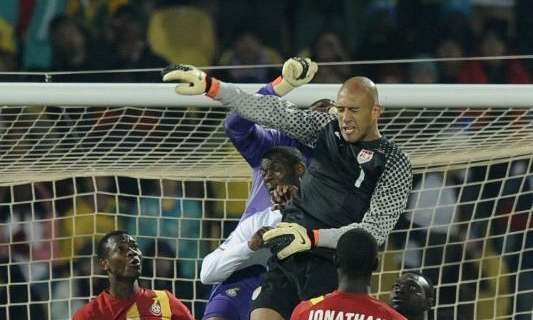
column 356, row 178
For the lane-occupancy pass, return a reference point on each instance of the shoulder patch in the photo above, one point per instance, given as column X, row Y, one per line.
column 316, row 300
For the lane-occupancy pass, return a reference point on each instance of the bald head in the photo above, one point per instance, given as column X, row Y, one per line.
column 361, row 85
column 358, row 110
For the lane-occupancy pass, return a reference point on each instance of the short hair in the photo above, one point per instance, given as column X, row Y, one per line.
column 292, row 155
column 101, row 251
column 357, row 252
column 429, row 293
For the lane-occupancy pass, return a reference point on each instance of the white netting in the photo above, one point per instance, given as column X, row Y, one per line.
column 171, row 178
column 40, row 143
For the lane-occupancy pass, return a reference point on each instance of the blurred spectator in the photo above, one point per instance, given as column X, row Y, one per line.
column 32, row 22
column 92, row 213
column 168, row 218
column 183, row 34
column 158, row 264
column 455, row 25
column 524, row 26
column 128, row 47
column 95, row 14
column 70, row 45
column 494, row 71
column 310, row 18
column 269, row 22
column 8, row 47
column 248, row 50
column 381, row 35
column 389, row 73
column 423, row 72
column 75, row 282
column 434, row 244
column 512, row 227
column 26, row 226
column 330, row 48
column 383, row 40
column 449, row 71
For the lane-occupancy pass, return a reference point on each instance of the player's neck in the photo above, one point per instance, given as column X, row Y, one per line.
column 353, row 285
column 122, row 289
column 372, row 135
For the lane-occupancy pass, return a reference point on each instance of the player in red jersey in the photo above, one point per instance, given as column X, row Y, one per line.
column 351, row 300
column 120, row 258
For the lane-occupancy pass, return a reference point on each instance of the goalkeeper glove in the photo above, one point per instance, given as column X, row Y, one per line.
column 287, row 239
column 296, row 71
column 195, row 81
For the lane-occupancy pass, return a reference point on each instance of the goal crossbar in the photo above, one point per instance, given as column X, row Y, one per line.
column 147, row 95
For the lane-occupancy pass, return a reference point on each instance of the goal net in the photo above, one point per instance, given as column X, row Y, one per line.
column 159, row 166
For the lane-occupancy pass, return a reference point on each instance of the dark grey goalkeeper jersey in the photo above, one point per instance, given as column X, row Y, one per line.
column 361, row 185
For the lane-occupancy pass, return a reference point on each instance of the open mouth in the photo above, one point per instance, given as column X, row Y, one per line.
column 396, row 299
column 349, row 129
column 135, row 262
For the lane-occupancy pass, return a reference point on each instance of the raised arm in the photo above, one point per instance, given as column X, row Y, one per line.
column 268, row 111
column 388, row 202
column 273, row 112
column 251, row 140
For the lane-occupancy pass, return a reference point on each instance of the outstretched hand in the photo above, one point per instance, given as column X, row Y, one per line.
column 193, row 81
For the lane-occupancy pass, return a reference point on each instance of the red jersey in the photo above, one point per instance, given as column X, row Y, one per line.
column 345, row 306
column 146, row 304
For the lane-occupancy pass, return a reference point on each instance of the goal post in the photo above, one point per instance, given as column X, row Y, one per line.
column 79, row 160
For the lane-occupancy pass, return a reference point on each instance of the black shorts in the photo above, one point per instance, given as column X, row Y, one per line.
column 299, row 277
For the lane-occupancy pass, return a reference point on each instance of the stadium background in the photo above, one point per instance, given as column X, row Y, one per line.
column 38, row 36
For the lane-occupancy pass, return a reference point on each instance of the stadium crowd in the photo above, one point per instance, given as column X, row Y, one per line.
column 71, row 35
column 74, row 35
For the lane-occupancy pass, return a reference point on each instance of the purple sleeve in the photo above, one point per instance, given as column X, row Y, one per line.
column 251, row 140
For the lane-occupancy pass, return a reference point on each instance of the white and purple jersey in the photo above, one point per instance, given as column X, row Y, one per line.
column 236, row 268
column 231, row 296
column 252, row 141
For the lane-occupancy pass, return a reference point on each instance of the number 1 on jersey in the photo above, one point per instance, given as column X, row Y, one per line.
column 361, row 177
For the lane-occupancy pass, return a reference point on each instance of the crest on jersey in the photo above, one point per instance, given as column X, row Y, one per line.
column 232, row 292
column 365, row 156
column 155, row 309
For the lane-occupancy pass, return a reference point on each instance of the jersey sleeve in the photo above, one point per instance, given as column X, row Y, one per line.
column 178, row 309
column 221, row 263
column 273, row 112
column 301, row 311
column 84, row 313
column 387, row 203
column 249, row 139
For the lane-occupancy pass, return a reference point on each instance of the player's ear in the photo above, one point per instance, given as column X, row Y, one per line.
column 336, row 260
column 377, row 110
column 104, row 264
